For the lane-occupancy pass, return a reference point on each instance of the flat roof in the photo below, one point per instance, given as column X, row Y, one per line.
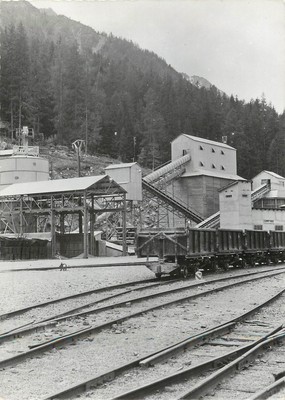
column 207, row 141
column 57, row 186
column 123, row 165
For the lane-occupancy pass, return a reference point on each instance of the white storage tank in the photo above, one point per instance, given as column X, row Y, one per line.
column 22, row 164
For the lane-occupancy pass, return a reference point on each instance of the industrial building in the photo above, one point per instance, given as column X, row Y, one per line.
column 199, row 186
column 211, row 166
column 31, row 209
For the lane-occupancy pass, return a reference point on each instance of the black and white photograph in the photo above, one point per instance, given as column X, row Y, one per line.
column 142, row 199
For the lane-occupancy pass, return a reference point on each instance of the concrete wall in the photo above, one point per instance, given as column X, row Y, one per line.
column 205, row 155
column 199, row 193
column 268, row 219
column 235, row 206
column 71, row 245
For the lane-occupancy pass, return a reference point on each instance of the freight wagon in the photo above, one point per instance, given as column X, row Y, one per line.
column 181, row 252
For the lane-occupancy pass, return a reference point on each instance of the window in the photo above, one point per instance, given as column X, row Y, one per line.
column 244, row 195
column 184, row 152
column 257, row 227
column 222, row 168
column 279, row 227
column 213, row 150
column 222, row 152
column 229, row 195
column 201, row 148
column 201, row 164
column 213, row 166
column 263, row 181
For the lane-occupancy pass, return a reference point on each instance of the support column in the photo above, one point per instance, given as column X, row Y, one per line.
column 80, row 216
column 85, row 237
column 124, row 223
column 61, row 218
column 21, row 216
column 62, row 229
column 52, row 228
column 92, row 217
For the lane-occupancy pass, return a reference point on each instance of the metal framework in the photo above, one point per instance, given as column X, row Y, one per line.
column 29, row 207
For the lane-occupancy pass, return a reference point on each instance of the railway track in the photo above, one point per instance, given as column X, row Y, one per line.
column 84, row 329
column 226, row 348
column 42, row 324
column 77, row 295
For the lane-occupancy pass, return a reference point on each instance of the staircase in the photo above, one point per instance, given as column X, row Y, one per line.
column 211, row 222
column 258, row 193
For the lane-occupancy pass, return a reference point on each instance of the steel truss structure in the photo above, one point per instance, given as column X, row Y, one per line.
column 30, row 207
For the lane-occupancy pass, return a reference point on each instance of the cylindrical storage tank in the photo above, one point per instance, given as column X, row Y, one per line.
column 19, row 169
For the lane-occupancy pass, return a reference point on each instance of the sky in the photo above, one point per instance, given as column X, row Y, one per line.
column 238, row 45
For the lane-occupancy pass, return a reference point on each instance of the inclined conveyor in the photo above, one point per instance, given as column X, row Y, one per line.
column 171, row 171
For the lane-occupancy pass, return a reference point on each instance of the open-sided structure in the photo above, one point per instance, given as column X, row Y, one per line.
column 24, row 206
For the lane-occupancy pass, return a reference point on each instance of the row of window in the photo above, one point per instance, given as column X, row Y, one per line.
column 260, row 227
column 213, row 150
column 230, row 195
column 213, row 166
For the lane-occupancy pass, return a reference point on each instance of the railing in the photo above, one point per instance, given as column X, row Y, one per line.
column 31, row 151
column 260, row 192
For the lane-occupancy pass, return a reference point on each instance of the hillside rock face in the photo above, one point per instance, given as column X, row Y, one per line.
column 199, row 82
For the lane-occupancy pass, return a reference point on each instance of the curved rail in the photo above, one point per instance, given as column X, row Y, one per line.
column 82, row 333
column 194, row 340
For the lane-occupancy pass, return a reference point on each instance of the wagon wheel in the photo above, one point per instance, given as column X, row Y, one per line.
column 214, row 266
column 225, row 265
column 184, row 272
column 242, row 263
column 274, row 259
column 251, row 262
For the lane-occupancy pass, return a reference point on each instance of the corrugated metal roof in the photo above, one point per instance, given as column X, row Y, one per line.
column 123, row 165
column 211, row 142
column 213, row 174
column 53, row 186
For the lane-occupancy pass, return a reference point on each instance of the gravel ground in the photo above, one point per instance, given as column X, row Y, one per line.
column 258, row 375
column 134, row 338
column 66, row 327
column 25, row 288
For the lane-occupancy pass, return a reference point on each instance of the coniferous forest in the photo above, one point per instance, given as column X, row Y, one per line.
column 69, row 82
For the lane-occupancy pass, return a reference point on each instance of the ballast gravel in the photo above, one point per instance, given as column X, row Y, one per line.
column 60, row 368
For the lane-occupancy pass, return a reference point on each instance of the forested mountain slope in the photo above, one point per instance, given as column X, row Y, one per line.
column 70, row 82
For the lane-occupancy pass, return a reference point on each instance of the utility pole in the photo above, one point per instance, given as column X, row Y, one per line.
column 135, row 142
column 77, row 146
